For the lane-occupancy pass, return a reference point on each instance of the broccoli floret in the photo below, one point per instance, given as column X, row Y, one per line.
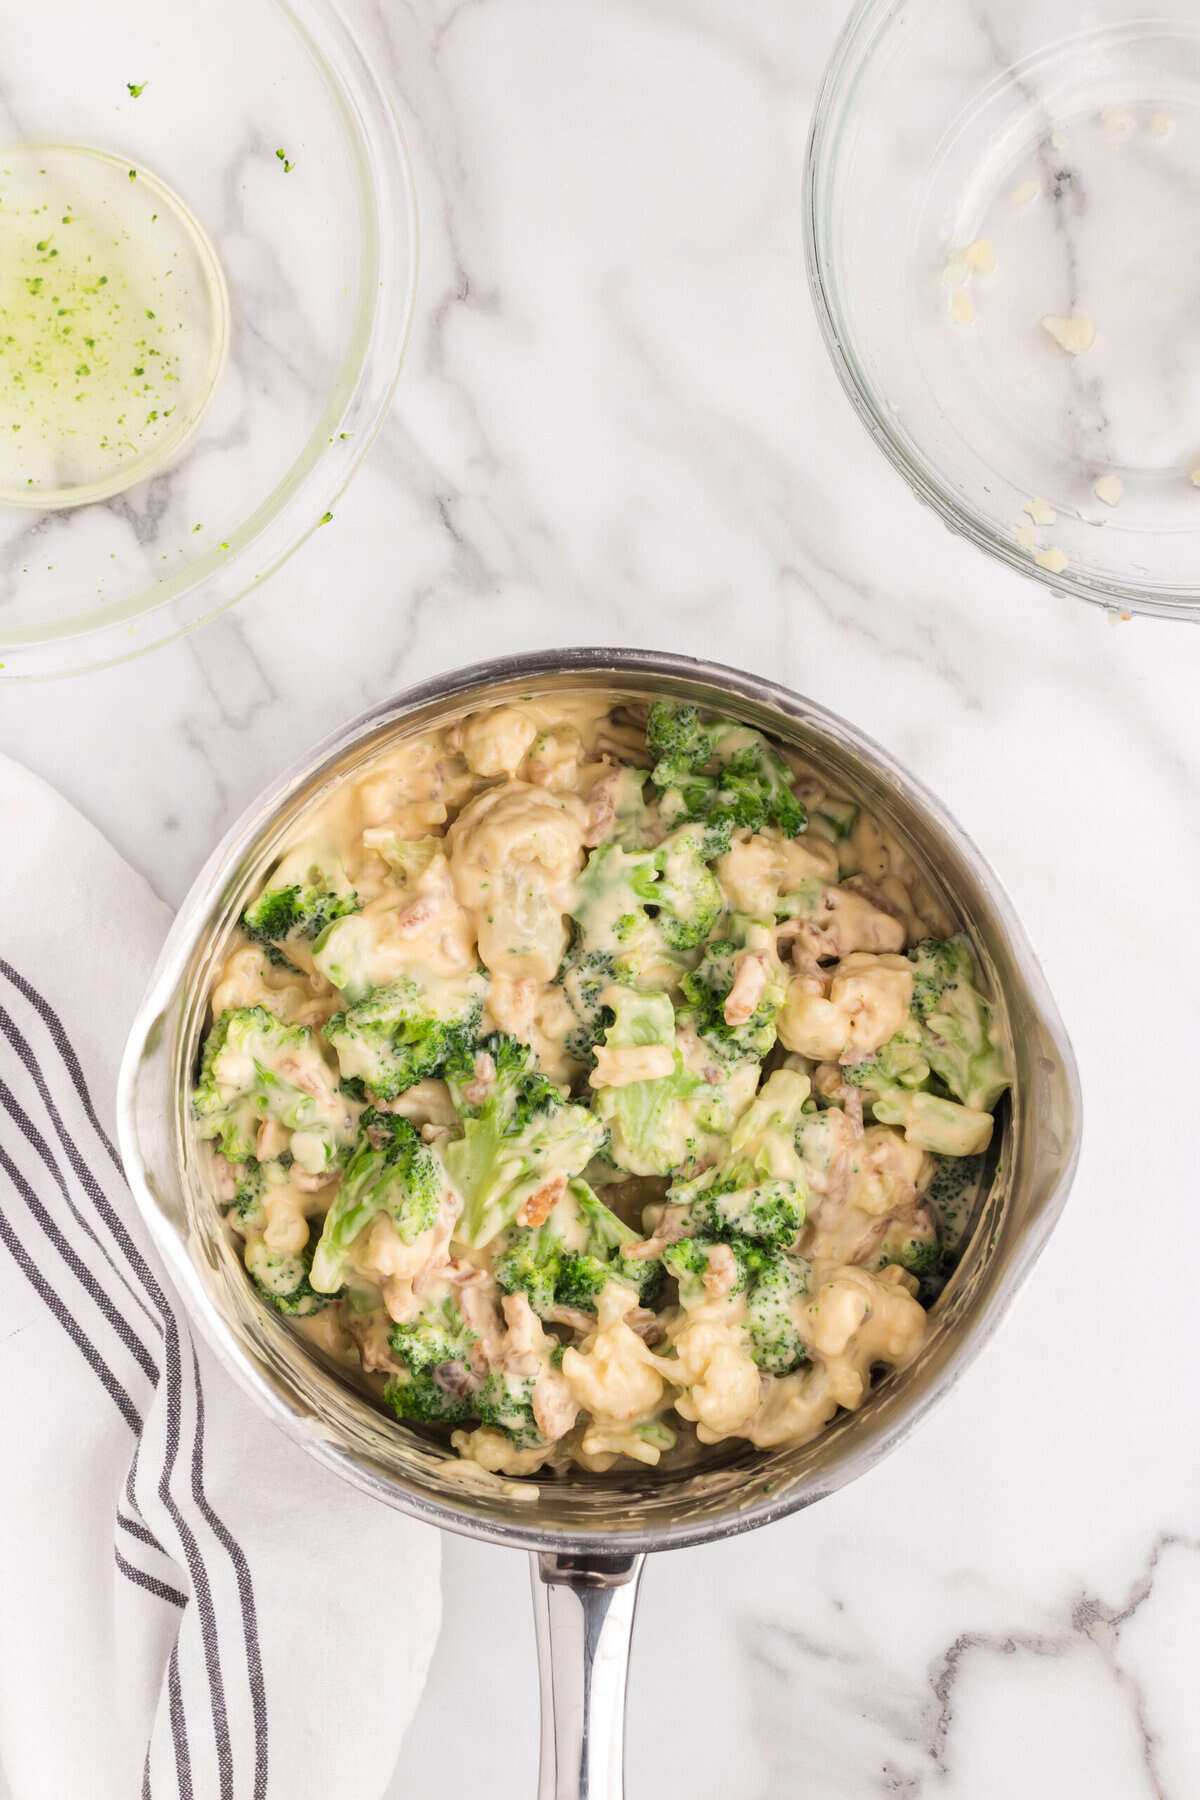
column 723, row 1206
column 515, row 1141
column 952, row 1192
column 708, row 986
column 655, row 1126
column 760, row 1192
column 406, row 857
column 957, row 1020
column 901, row 1062
column 583, row 976
column 286, row 1281
column 721, row 773
column 840, row 816
column 439, row 1383
column 245, row 1211
column 679, row 741
column 630, row 821
column 567, row 1260
column 942, row 1126
column 298, row 911
column 770, row 1280
column 775, row 1283
column 945, row 1043
column 392, row 1172
column 407, row 1031
column 687, row 1263
column 686, row 892
column 919, row 1255
column 506, row 1401
column 254, row 1067
column 644, row 908
column 437, row 1338
column 423, row 1399
column 530, row 1264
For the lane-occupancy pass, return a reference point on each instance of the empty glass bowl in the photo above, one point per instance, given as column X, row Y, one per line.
column 198, row 345
column 1003, row 229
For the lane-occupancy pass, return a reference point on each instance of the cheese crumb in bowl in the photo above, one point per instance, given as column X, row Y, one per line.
column 1074, row 334
column 1053, row 560
column 1040, row 181
column 1040, row 511
column 981, row 255
column 1109, row 488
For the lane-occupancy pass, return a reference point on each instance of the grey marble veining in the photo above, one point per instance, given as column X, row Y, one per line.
column 617, row 423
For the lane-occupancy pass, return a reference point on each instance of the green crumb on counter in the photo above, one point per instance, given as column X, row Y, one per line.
column 136, row 90
column 324, row 518
column 287, row 166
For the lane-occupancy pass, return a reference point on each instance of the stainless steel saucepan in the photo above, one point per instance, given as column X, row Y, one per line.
column 589, row 1535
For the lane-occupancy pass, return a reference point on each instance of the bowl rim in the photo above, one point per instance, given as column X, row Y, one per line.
column 356, row 409
column 192, row 922
column 852, row 50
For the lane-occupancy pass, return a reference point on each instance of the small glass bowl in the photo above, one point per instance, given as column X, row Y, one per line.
column 1002, row 225
column 265, row 119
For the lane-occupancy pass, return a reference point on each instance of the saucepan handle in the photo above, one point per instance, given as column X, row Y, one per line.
column 583, row 1609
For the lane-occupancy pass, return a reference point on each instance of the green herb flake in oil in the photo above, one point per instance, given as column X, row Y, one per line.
column 103, row 333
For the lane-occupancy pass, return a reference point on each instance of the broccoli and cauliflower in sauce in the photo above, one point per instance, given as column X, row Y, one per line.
column 592, row 1076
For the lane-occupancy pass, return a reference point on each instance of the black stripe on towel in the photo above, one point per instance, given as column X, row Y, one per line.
column 78, row 1267
column 183, row 1758
column 151, row 1583
column 174, row 1382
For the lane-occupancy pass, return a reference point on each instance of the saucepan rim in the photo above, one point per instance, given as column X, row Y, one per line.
column 188, row 932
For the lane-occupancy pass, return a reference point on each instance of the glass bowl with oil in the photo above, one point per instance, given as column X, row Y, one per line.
column 1003, row 230
column 208, row 248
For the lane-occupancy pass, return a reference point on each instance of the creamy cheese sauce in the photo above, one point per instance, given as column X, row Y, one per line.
column 596, row 1085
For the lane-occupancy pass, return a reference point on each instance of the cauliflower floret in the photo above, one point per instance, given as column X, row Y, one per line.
column 628, row 1063
column 866, row 1005
column 756, row 870
column 249, row 978
column 845, row 920
column 890, row 1172
column 286, row 1229
column 721, row 1381
column 492, row 1450
column 540, row 1015
column 614, row 1376
column 854, row 1320
column 796, row 1409
column 515, row 851
column 495, row 742
column 555, row 759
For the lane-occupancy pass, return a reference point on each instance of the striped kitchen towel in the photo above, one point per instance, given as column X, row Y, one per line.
column 189, row 1606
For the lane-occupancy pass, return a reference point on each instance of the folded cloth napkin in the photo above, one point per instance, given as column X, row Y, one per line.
column 189, row 1606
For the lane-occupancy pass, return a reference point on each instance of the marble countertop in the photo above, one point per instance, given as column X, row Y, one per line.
column 617, row 424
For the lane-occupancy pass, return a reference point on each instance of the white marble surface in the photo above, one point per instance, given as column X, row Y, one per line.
column 617, row 424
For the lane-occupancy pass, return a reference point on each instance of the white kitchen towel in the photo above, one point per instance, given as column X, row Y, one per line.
column 189, row 1606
